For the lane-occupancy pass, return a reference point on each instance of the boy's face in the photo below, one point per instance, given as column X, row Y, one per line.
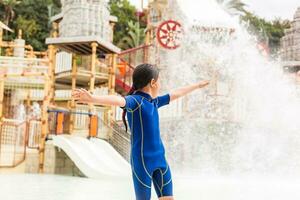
column 155, row 87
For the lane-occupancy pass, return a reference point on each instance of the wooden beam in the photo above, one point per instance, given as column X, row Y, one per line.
column 51, row 71
column 68, row 49
column 46, row 102
column 109, row 74
column 94, row 46
column 73, row 104
column 77, row 49
column 87, row 48
column 113, row 82
column 113, row 73
column 24, row 74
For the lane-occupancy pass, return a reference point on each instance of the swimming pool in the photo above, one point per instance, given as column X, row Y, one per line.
column 53, row 187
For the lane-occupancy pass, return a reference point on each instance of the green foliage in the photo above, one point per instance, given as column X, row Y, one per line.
column 233, row 7
column 29, row 25
column 9, row 9
column 269, row 32
column 126, row 14
column 134, row 38
column 32, row 16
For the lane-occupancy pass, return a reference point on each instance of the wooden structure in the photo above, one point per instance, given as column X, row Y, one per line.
column 27, row 87
column 92, row 64
column 87, row 61
column 24, row 81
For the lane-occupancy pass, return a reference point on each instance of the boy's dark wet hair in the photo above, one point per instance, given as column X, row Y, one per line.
column 142, row 76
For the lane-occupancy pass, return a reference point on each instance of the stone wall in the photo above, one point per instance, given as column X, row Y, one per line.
column 32, row 161
column 56, row 162
column 290, row 43
column 85, row 18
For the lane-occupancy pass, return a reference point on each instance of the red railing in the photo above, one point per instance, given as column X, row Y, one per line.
column 127, row 60
column 12, row 143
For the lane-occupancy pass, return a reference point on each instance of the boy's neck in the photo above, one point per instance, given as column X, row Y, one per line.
column 147, row 90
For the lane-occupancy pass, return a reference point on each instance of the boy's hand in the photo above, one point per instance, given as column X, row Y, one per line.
column 187, row 89
column 82, row 95
column 202, row 84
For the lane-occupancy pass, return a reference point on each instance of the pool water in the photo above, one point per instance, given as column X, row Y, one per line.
column 54, row 187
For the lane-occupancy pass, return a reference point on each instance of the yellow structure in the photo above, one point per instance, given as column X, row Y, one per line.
column 81, row 55
column 24, row 82
column 93, row 64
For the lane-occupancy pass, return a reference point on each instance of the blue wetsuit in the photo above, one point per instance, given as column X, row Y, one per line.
column 147, row 156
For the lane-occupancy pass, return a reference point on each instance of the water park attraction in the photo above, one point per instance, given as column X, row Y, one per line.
column 237, row 139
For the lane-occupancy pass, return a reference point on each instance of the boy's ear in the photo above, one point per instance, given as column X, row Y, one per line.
column 153, row 83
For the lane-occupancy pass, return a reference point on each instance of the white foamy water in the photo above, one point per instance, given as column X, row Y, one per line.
column 241, row 144
column 249, row 124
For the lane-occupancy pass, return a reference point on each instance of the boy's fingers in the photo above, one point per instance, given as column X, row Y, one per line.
column 204, row 83
column 83, row 91
column 86, row 92
column 77, row 90
column 76, row 94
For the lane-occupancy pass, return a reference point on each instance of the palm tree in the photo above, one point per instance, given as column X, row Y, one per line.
column 135, row 37
column 9, row 6
column 233, row 7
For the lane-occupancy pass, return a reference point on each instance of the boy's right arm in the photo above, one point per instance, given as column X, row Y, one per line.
column 84, row 96
column 109, row 100
column 187, row 89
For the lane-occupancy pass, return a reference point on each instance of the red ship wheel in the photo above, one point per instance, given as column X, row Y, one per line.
column 169, row 34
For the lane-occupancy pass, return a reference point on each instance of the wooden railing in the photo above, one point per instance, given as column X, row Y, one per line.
column 12, row 142
column 34, row 134
column 60, row 120
column 18, row 65
column 64, row 64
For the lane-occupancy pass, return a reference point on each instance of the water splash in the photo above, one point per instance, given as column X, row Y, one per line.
column 248, row 123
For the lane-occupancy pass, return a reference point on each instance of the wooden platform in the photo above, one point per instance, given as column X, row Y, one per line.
column 82, row 77
column 82, row 45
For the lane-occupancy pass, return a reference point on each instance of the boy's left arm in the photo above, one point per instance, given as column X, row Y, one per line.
column 180, row 92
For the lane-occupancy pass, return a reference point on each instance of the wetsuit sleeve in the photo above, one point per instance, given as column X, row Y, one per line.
column 163, row 100
column 131, row 103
